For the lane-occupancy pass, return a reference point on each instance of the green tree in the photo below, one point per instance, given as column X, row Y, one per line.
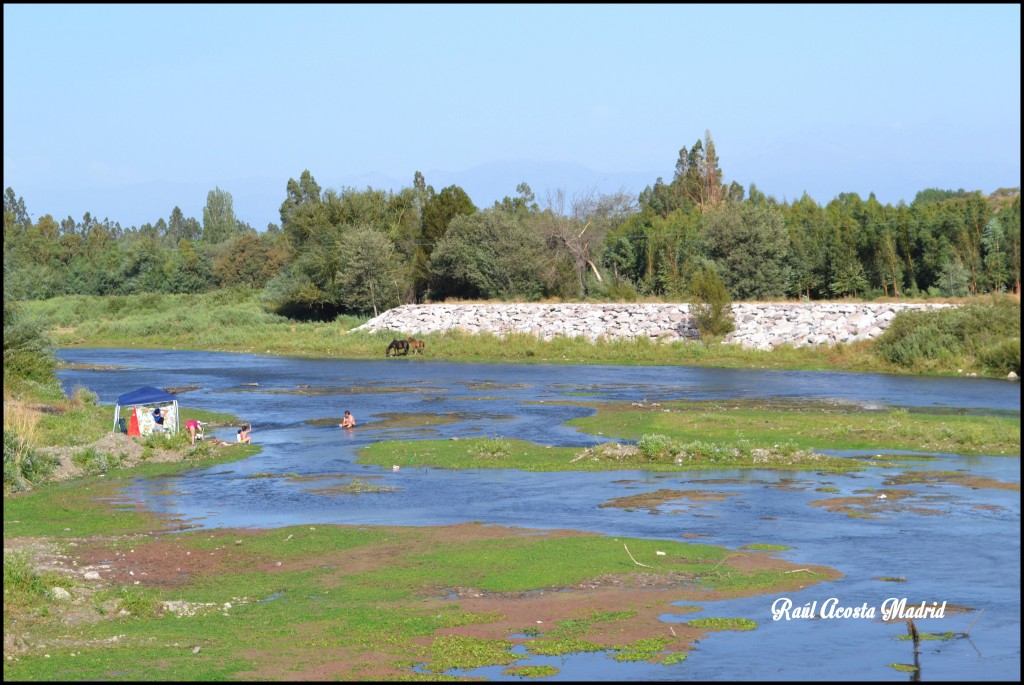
column 491, row 255
column 749, row 243
column 369, row 273
column 248, row 261
column 219, row 223
column 698, row 176
column 996, row 259
column 190, row 269
column 438, row 211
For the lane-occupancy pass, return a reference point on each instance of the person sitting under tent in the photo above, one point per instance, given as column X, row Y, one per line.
column 158, row 419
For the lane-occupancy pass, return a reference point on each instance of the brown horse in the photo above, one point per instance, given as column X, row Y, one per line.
column 416, row 346
column 397, row 347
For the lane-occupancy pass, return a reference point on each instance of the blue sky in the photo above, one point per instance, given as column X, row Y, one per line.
column 127, row 111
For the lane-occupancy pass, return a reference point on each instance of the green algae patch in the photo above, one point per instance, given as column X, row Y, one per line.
column 765, row 547
column 531, row 671
column 939, row 637
column 739, row 624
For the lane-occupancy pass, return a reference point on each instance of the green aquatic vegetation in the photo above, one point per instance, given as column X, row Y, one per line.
column 562, row 646
column 531, row 671
column 724, row 623
column 455, row 651
column 930, row 636
column 674, row 658
column 643, row 649
column 761, row 546
column 904, row 668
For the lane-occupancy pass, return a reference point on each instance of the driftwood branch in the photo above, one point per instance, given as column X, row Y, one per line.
column 631, row 556
column 973, row 622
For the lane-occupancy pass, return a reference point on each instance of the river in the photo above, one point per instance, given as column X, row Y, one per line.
column 968, row 554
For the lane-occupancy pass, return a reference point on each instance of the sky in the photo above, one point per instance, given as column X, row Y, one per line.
column 127, row 111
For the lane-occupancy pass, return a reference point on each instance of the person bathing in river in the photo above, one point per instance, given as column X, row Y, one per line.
column 347, row 421
column 244, row 434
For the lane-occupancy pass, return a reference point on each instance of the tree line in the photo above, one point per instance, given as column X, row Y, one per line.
column 363, row 251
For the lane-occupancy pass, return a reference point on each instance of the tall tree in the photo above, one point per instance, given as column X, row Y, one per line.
column 219, row 223
column 698, row 176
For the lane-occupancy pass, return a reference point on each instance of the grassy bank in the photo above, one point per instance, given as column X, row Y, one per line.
column 740, row 434
column 237, row 321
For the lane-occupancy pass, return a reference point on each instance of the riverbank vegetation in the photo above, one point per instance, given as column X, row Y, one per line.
column 981, row 336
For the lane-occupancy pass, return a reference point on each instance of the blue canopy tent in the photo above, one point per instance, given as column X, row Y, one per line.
column 144, row 396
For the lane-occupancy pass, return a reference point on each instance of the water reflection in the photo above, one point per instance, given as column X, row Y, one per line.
column 966, row 551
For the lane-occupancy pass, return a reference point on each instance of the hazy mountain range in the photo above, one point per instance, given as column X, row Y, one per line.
column 257, row 200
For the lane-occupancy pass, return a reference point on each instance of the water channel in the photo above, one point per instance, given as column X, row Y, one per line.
column 968, row 554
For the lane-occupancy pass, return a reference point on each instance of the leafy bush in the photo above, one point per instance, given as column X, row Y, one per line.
column 710, row 308
column 947, row 336
column 23, row 465
column 657, row 447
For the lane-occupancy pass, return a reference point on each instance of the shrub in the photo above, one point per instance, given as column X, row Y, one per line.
column 947, row 336
column 92, row 461
column 656, row 447
column 710, row 308
column 23, row 465
column 1002, row 357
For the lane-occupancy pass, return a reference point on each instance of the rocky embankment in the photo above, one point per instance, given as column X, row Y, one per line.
column 758, row 325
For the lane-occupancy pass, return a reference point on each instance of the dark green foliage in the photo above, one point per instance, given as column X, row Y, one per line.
column 710, row 306
column 989, row 331
column 750, row 244
column 491, row 254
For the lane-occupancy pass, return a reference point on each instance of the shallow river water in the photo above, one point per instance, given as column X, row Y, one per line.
column 965, row 552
